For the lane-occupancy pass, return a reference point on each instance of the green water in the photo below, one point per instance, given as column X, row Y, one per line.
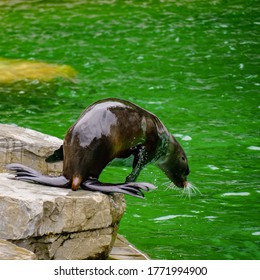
column 195, row 64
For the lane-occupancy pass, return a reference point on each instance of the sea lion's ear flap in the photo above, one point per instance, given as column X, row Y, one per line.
column 56, row 156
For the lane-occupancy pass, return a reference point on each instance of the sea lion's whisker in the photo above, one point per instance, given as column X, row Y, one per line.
column 191, row 189
column 195, row 189
column 171, row 186
column 187, row 191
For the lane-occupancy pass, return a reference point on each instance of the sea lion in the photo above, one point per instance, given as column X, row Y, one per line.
column 108, row 129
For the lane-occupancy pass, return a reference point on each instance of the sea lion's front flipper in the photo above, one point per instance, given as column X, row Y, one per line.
column 140, row 160
column 28, row 174
column 133, row 189
column 56, row 156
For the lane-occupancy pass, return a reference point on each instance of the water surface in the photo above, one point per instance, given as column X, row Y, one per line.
column 195, row 64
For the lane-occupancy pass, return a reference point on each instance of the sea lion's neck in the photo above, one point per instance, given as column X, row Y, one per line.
column 169, row 148
column 174, row 163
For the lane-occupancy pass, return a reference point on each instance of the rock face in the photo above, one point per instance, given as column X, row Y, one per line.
column 9, row 251
column 29, row 147
column 54, row 223
column 58, row 223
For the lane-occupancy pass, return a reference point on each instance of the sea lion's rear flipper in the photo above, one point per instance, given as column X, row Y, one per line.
column 28, row 174
column 133, row 189
column 56, row 156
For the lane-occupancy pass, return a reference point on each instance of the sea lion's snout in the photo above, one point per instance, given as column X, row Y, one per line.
column 181, row 183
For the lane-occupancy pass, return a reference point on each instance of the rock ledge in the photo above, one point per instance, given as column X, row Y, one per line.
column 54, row 223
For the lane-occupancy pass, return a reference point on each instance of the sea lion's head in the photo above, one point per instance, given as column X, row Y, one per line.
column 175, row 164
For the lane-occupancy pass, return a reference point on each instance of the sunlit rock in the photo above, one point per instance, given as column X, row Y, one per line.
column 15, row 70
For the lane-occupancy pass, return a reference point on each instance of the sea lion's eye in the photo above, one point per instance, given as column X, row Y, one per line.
column 183, row 158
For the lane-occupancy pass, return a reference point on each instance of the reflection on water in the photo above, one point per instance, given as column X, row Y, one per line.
column 192, row 63
column 236, row 194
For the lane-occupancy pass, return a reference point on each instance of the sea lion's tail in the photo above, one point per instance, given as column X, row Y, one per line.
column 132, row 188
column 28, row 174
column 56, row 156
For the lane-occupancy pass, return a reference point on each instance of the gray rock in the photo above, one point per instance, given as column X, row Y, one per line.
column 54, row 223
column 29, row 147
column 58, row 223
column 9, row 251
column 37, row 210
column 94, row 244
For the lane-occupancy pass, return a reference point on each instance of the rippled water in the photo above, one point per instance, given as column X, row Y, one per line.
column 195, row 64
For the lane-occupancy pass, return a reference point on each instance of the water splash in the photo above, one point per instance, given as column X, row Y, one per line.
column 169, row 217
column 236, row 194
column 254, row 148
